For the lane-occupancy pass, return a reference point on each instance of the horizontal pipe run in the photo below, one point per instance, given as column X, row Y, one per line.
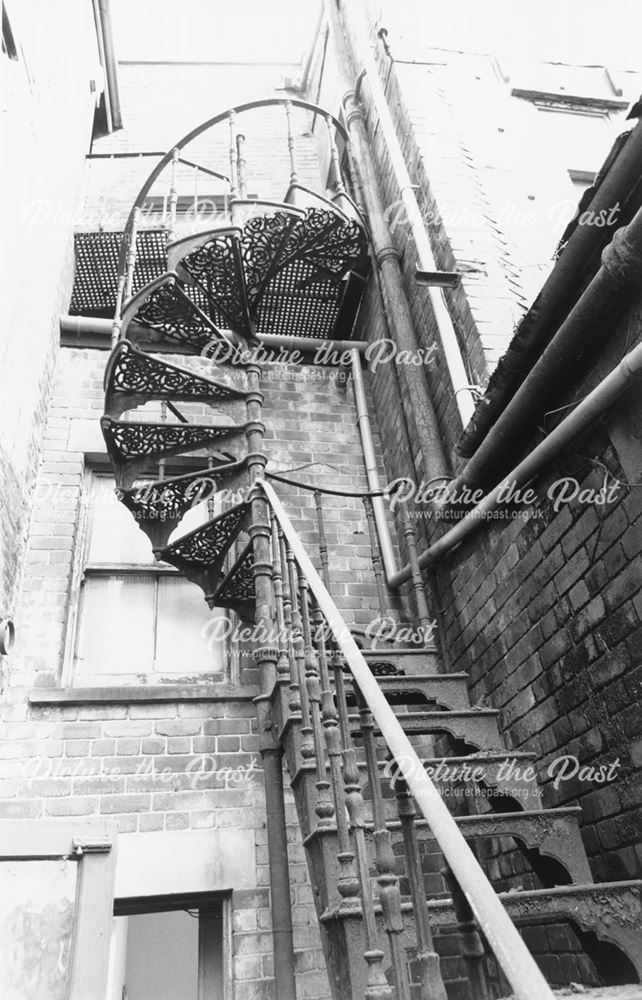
column 510, row 951
column 87, row 324
column 580, row 419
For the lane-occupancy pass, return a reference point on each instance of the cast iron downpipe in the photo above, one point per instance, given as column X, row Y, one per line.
column 582, row 329
column 362, row 58
column 414, row 394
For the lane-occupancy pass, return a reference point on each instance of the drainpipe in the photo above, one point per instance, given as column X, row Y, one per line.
column 415, row 398
column 582, row 417
column 110, row 62
column 370, row 461
column 364, row 60
column 582, row 329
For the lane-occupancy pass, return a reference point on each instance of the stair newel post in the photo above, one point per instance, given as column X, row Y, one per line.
column 307, row 736
column 432, row 984
column 241, row 164
column 348, row 884
column 323, row 806
column 375, row 557
column 423, row 612
column 294, row 703
column 294, row 173
column 266, row 655
column 173, row 195
column 387, row 881
column 472, row 945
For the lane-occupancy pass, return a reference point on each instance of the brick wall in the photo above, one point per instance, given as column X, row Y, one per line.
column 42, row 185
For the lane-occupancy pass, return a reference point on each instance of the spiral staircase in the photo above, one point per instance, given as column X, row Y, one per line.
column 287, row 267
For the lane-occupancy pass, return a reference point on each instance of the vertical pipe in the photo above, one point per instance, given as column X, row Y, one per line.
column 266, row 657
column 374, row 556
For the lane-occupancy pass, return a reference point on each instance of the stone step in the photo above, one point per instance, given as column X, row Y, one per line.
column 422, row 660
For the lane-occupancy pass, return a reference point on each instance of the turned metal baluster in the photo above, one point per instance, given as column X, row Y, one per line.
column 348, row 883
column 283, row 662
column 161, row 461
column 241, row 164
column 432, row 985
column 377, row 987
column 377, row 567
column 472, row 945
column 423, row 613
column 234, row 187
column 323, row 543
column 126, row 280
column 294, row 703
column 294, row 174
column 387, row 881
column 339, row 188
column 307, row 740
column 323, row 806
column 173, row 194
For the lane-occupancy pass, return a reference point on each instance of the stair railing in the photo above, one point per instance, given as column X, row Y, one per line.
column 477, row 894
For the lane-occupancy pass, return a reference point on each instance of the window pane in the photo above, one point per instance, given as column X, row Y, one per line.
column 114, row 535
column 190, row 637
column 116, row 633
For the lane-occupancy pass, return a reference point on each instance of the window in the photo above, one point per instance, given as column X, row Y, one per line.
column 170, row 951
column 138, row 621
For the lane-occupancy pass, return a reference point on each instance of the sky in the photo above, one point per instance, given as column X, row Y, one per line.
column 574, row 31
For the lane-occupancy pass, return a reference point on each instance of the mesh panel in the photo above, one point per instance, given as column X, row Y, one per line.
column 96, row 273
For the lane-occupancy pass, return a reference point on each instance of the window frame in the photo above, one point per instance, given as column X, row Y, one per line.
column 96, row 467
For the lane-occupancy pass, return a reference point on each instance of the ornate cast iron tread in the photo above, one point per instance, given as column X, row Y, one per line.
column 133, row 377
column 158, row 506
column 213, row 262
column 478, row 727
column 449, row 689
column 236, row 590
column 200, row 554
column 162, row 311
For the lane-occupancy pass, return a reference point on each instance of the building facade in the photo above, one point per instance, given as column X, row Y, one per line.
column 304, row 345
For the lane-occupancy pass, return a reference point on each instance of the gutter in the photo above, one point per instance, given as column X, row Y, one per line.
column 110, row 64
column 582, row 417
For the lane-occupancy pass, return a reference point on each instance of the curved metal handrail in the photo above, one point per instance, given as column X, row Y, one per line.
column 204, row 127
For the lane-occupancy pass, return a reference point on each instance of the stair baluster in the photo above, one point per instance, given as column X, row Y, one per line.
column 347, row 883
column 323, row 542
column 432, row 984
column 173, row 197
column 387, row 881
column 294, row 703
column 283, row 661
column 377, row 987
column 307, row 740
column 294, row 174
column 323, row 806
column 241, row 164
column 234, row 185
column 336, row 180
column 472, row 944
